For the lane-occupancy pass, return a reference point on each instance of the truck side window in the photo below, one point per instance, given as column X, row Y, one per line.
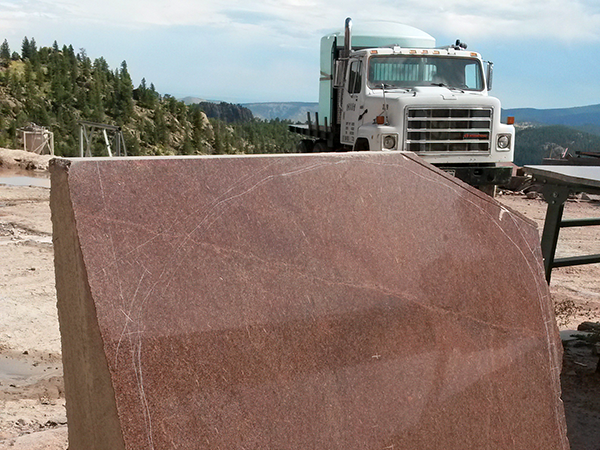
column 355, row 77
column 472, row 78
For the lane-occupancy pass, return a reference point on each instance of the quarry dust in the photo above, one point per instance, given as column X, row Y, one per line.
column 32, row 403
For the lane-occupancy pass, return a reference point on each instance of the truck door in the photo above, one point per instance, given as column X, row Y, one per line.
column 353, row 103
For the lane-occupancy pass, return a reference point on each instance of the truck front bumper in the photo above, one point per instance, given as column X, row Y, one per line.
column 479, row 175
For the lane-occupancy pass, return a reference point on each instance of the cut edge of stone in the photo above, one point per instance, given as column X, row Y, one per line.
column 67, row 162
column 93, row 421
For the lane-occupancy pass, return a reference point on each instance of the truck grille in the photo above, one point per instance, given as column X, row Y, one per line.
column 448, row 129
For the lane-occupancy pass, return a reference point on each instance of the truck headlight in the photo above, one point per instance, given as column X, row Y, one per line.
column 389, row 142
column 503, row 142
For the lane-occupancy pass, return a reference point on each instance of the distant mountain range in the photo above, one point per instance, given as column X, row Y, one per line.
column 194, row 100
column 294, row 111
column 585, row 118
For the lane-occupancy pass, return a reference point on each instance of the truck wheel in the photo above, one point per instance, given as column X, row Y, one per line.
column 321, row 147
column 305, row 146
column 361, row 145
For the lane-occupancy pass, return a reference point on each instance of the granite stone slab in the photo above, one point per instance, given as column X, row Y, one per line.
column 331, row 301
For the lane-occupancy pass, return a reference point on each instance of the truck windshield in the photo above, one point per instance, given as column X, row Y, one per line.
column 404, row 71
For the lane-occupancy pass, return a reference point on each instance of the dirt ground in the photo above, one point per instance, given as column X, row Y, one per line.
column 576, row 295
column 32, row 405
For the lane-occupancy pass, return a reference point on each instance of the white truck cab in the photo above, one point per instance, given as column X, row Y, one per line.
column 389, row 88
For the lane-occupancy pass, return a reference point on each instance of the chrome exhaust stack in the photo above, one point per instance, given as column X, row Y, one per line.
column 347, row 37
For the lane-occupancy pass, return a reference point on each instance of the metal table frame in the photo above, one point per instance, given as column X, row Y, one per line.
column 558, row 182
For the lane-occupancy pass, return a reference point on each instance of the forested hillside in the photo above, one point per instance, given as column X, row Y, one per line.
column 56, row 87
column 586, row 118
column 535, row 143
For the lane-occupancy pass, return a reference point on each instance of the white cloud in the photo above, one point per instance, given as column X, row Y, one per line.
column 573, row 20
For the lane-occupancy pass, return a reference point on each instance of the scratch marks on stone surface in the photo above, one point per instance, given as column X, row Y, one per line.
column 140, row 379
column 168, row 229
column 214, row 211
column 151, row 287
column 530, row 259
column 132, row 314
column 136, row 347
column 129, row 321
column 503, row 211
column 544, row 302
column 300, row 273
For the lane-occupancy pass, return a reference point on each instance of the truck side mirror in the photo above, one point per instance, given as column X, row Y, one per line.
column 339, row 73
column 489, row 75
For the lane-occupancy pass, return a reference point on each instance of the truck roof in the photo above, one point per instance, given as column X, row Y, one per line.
column 418, row 51
column 374, row 34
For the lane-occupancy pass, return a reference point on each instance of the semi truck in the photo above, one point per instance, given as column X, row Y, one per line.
column 388, row 88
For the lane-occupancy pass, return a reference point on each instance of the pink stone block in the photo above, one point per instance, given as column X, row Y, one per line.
column 331, row 301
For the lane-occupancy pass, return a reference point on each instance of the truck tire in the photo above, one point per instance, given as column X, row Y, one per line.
column 361, row 145
column 305, row 146
column 321, row 147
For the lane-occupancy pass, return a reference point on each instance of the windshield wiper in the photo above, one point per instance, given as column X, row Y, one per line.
column 389, row 87
column 452, row 88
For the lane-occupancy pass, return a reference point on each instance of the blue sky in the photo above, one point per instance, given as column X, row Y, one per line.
column 546, row 52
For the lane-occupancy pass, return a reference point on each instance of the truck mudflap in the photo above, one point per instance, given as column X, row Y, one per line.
column 483, row 175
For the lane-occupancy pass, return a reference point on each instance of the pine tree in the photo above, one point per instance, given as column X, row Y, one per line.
column 96, row 103
column 100, row 72
column 25, row 50
column 5, row 51
column 86, row 63
column 34, row 56
column 32, row 48
column 188, row 147
column 44, row 54
column 122, row 103
column 160, row 124
column 143, row 95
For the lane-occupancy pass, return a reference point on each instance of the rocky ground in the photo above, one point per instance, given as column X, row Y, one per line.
column 32, row 412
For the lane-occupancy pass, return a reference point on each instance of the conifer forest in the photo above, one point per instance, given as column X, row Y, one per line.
column 56, row 87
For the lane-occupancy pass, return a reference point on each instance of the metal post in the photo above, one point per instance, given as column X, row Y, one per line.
column 116, row 143
column 120, row 144
column 555, row 196
column 81, row 140
column 107, row 142
column 329, row 137
column 317, row 123
column 88, row 144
